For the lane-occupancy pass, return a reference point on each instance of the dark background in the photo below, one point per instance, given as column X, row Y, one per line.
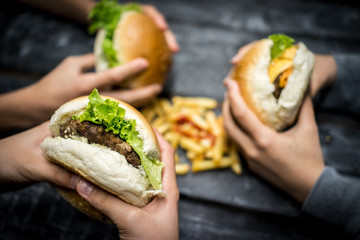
column 216, row 204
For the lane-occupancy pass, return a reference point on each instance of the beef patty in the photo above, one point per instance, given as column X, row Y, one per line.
column 97, row 134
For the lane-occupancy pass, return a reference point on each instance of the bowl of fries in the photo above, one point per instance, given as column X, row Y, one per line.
column 191, row 125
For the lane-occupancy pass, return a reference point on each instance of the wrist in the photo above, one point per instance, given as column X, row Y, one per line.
column 304, row 186
column 23, row 108
column 324, row 73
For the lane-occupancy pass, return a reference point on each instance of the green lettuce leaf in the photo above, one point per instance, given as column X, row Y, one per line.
column 281, row 42
column 107, row 113
column 105, row 15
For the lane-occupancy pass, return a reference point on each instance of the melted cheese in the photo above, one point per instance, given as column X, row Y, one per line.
column 282, row 63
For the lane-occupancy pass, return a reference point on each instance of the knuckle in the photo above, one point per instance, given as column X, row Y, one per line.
column 238, row 113
column 132, row 216
column 176, row 194
column 252, row 154
column 98, row 199
column 69, row 60
column 264, row 141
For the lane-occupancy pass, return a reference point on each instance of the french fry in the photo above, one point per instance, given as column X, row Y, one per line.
column 163, row 128
column 218, row 149
column 199, row 122
column 201, row 102
column 211, row 164
column 182, row 168
column 212, row 123
column 191, row 123
column 190, row 145
column 235, row 166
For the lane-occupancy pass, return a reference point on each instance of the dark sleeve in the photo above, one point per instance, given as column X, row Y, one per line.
column 344, row 94
column 335, row 199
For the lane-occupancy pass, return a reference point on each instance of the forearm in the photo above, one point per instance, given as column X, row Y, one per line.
column 343, row 93
column 73, row 9
column 22, row 109
column 336, row 199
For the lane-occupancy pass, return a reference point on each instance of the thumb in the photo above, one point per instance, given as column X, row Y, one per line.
column 306, row 118
column 117, row 74
column 114, row 208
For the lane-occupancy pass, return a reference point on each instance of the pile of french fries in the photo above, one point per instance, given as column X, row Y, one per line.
column 191, row 124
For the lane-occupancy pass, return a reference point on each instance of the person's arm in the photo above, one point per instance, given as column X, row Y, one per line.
column 291, row 160
column 77, row 10
column 344, row 92
column 335, row 199
column 36, row 103
column 22, row 161
column 157, row 220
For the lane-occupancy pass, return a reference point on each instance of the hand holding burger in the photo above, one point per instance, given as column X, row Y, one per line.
column 273, row 75
column 126, row 32
column 110, row 144
column 157, row 220
column 291, row 160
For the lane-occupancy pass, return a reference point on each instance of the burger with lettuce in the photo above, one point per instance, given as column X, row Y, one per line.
column 110, row 144
column 273, row 76
column 124, row 33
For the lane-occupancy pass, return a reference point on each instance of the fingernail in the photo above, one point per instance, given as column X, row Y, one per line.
column 226, row 82
column 158, row 88
column 85, row 188
column 142, row 62
column 74, row 181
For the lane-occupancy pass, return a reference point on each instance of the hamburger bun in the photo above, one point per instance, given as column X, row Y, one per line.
column 252, row 75
column 136, row 35
column 98, row 164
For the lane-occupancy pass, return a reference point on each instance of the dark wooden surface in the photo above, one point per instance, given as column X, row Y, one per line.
column 216, row 204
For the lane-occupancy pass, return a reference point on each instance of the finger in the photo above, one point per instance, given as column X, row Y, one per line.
column 171, row 41
column 85, row 62
column 306, row 117
column 46, row 170
column 168, row 158
column 242, row 51
column 136, row 97
column 57, row 175
column 115, row 75
column 114, row 208
column 169, row 175
column 155, row 15
column 234, row 131
column 242, row 114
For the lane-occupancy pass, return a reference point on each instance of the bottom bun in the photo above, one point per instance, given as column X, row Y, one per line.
column 103, row 167
column 81, row 204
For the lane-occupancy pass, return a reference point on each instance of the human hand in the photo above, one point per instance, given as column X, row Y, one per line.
column 157, row 220
column 70, row 80
column 160, row 21
column 22, row 160
column 291, row 160
column 323, row 75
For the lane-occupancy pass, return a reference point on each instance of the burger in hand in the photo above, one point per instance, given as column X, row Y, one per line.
column 110, row 144
column 273, row 76
column 125, row 33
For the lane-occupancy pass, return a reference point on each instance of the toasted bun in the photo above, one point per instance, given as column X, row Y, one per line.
column 100, row 165
column 251, row 73
column 136, row 35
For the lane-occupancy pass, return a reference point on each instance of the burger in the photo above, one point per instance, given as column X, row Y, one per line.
column 273, row 77
column 110, row 144
column 125, row 33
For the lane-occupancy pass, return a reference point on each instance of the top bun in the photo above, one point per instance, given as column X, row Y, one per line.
column 98, row 164
column 136, row 35
column 251, row 73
